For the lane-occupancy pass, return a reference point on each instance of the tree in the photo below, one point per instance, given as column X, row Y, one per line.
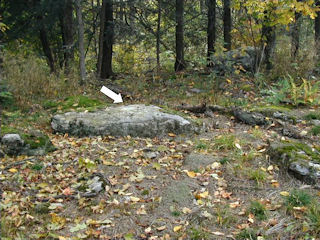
column 81, row 41
column 107, row 40
column 268, row 36
column 317, row 28
column 227, row 22
column 158, row 35
column 180, row 63
column 211, row 30
column 66, row 22
column 295, row 33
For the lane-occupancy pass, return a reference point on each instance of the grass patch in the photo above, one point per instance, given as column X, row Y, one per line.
column 225, row 142
column 257, row 175
column 196, row 233
column 247, row 233
column 298, row 198
column 315, row 130
column 313, row 218
column 258, row 210
column 312, row 116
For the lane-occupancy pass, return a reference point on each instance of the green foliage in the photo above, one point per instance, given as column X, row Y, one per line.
column 257, row 175
column 87, row 164
column 288, row 91
column 225, row 142
column 6, row 98
column 196, row 233
column 298, row 198
column 315, row 130
column 312, row 116
column 258, row 210
column 313, row 218
column 247, row 233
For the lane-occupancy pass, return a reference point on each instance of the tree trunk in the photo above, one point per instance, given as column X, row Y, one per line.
column 107, row 46
column 81, row 42
column 317, row 29
column 295, row 34
column 180, row 63
column 101, row 35
column 46, row 48
column 67, row 32
column 158, row 35
column 211, row 31
column 227, row 22
column 268, row 39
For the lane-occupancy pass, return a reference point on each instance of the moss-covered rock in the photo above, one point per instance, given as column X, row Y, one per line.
column 278, row 112
column 297, row 158
column 31, row 143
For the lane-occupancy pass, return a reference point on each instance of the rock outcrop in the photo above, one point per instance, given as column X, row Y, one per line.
column 133, row 120
column 298, row 159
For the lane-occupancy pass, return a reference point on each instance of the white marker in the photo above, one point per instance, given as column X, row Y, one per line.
column 115, row 97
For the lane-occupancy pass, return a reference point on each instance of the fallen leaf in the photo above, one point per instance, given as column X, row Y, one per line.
column 161, row 228
column 191, row 174
column 186, row 210
column 284, row 193
column 177, row 228
column 78, row 227
column 13, row 170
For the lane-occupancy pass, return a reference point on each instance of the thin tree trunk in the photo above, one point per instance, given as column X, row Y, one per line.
column 295, row 35
column 227, row 22
column 317, row 29
column 81, row 42
column 46, row 48
column 180, row 63
column 101, row 36
column 106, row 66
column 211, row 31
column 268, row 39
column 158, row 35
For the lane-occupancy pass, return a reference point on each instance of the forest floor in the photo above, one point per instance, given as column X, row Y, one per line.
column 219, row 184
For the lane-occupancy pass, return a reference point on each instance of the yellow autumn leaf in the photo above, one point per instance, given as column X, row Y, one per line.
column 204, row 194
column 13, row 170
column 191, row 174
column 177, row 228
column 134, row 199
column 284, row 193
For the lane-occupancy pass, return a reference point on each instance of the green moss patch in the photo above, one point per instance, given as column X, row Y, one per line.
column 73, row 102
column 293, row 151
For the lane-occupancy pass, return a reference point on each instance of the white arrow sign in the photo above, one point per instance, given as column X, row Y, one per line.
column 115, row 97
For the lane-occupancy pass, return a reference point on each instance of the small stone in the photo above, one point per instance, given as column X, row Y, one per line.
column 151, row 155
column 315, row 122
column 12, row 144
column 95, row 185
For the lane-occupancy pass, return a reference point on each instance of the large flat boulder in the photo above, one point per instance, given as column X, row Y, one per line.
column 133, row 120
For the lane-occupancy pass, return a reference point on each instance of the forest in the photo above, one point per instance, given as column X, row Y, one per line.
column 159, row 119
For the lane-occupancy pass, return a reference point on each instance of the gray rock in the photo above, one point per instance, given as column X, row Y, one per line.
column 298, row 159
column 133, row 120
column 242, row 59
column 95, row 185
column 36, row 143
column 151, row 155
column 251, row 118
column 315, row 122
column 13, row 144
